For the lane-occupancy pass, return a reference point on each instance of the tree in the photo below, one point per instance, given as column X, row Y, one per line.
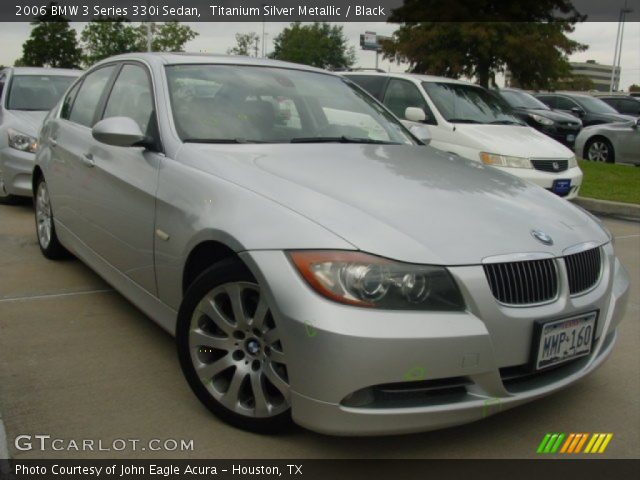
column 320, row 45
column 527, row 38
column 52, row 43
column 245, row 44
column 573, row 82
column 634, row 88
column 107, row 36
column 167, row 37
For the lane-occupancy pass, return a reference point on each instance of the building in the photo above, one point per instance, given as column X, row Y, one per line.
column 599, row 74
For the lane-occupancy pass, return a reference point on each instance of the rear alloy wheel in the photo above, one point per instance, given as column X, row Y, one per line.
column 230, row 350
column 599, row 150
column 45, row 229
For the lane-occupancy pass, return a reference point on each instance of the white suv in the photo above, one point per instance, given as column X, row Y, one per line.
column 470, row 121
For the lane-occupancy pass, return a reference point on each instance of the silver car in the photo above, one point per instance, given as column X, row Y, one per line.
column 26, row 95
column 313, row 260
column 610, row 142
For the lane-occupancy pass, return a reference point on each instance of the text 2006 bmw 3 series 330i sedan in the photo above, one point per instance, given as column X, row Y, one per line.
column 314, row 260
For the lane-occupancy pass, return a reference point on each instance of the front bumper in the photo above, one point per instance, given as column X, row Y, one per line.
column 16, row 168
column 335, row 352
column 547, row 179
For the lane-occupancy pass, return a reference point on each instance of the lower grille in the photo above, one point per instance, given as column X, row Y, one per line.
column 550, row 165
column 523, row 283
column 583, row 270
column 410, row 394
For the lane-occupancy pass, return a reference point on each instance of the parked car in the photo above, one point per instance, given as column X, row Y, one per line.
column 624, row 104
column 344, row 276
column 610, row 142
column 26, row 95
column 469, row 121
column 591, row 110
column 562, row 127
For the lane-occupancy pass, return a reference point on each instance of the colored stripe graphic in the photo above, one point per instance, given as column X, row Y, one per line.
column 543, row 443
column 550, row 443
column 574, row 442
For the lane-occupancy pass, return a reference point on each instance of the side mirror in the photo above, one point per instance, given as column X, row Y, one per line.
column 421, row 132
column 415, row 114
column 577, row 111
column 118, row 131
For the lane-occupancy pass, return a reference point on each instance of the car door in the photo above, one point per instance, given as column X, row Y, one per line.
column 629, row 106
column 69, row 138
column 401, row 94
column 628, row 144
column 119, row 196
column 567, row 105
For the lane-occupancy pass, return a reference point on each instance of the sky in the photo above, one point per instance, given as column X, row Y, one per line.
column 218, row 37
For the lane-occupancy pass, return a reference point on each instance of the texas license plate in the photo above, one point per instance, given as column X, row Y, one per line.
column 564, row 340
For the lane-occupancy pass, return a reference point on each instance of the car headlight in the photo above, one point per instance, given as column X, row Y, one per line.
column 573, row 162
column 22, row 141
column 504, row 160
column 541, row 120
column 364, row 280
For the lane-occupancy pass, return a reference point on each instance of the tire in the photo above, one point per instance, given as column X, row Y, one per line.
column 48, row 241
column 599, row 149
column 229, row 349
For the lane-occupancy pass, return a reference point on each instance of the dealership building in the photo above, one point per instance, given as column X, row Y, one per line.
column 599, row 74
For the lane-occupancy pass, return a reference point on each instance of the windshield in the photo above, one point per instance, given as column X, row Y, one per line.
column 238, row 104
column 461, row 103
column 37, row 92
column 522, row 100
column 595, row 105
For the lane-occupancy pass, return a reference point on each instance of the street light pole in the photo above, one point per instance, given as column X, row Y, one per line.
column 618, row 50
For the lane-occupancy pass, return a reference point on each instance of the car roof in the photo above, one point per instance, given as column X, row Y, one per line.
column 411, row 76
column 186, row 58
column 64, row 72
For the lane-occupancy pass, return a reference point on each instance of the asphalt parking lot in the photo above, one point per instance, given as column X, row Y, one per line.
column 77, row 361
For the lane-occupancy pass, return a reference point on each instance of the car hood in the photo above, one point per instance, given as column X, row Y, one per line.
column 519, row 141
column 413, row 204
column 28, row 122
column 615, row 117
column 552, row 115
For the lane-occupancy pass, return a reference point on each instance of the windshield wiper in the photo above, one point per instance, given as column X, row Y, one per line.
column 220, row 140
column 341, row 139
column 462, row 120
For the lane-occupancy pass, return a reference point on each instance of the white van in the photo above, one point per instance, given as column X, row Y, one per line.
column 468, row 120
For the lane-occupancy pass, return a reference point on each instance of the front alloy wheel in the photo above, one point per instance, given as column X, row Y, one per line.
column 600, row 151
column 230, row 349
column 50, row 246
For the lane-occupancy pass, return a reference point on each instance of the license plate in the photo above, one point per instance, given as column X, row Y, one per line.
column 561, row 187
column 564, row 340
column 571, row 138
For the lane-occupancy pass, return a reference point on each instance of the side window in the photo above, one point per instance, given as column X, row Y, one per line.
column 131, row 97
column 401, row 94
column 374, row 84
column 548, row 100
column 629, row 106
column 84, row 107
column 564, row 103
column 68, row 101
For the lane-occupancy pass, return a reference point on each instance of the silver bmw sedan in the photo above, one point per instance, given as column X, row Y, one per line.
column 314, row 260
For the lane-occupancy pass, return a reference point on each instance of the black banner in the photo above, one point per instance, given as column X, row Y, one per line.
column 296, row 10
column 583, row 469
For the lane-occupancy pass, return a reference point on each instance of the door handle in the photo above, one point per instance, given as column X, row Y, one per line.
column 87, row 159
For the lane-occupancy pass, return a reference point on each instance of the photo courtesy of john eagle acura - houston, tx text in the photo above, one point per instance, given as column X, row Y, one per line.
column 309, row 251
